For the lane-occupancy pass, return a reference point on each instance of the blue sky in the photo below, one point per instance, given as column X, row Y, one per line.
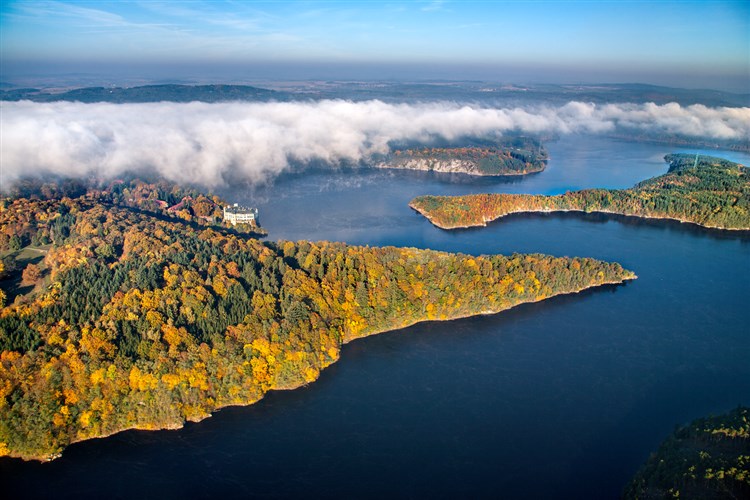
column 707, row 40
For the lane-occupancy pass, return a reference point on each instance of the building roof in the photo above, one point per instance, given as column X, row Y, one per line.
column 238, row 210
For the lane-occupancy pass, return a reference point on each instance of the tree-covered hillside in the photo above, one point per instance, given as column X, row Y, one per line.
column 704, row 190
column 136, row 320
column 708, row 459
column 515, row 156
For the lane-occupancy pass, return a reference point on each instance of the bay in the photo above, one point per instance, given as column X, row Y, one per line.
column 564, row 398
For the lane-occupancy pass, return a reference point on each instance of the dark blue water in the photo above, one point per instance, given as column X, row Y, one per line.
column 564, row 398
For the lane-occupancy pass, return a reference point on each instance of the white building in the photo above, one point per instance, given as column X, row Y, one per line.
column 240, row 215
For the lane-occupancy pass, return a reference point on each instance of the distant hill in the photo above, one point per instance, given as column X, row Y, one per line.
column 639, row 92
column 500, row 94
column 493, row 94
column 149, row 93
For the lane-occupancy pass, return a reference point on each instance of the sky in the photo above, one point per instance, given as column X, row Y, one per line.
column 681, row 43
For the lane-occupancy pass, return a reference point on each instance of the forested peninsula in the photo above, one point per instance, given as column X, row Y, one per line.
column 121, row 317
column 708, row 459
column 519, row 156
column 704, row 190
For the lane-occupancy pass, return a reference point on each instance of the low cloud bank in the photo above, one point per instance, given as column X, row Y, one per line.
column 204, row 143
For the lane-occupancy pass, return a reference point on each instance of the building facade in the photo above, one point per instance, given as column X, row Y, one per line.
column 237, row 214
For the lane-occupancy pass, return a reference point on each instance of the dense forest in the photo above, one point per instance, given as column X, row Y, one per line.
column 516, row 156
column 160, row 198
column 122, row 317
column 704, row 190
column 708, row 459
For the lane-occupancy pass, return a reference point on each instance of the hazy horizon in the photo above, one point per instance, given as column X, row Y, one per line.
column 103, row 74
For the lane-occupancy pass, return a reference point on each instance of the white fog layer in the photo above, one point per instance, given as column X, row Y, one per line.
column 201, row 142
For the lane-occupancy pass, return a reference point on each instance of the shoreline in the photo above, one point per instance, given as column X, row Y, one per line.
column 563, row 210
column 346, row 340
column 490, row 312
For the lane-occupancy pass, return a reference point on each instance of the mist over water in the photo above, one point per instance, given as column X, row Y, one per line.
column 210, row 143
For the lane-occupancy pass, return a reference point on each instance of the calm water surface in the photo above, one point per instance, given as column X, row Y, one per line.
column 561, row 399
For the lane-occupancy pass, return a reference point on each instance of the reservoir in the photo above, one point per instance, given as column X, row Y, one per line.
column 564, row 398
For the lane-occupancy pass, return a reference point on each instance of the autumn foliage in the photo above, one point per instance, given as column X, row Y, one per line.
column 707, row 191
column 149, row 321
